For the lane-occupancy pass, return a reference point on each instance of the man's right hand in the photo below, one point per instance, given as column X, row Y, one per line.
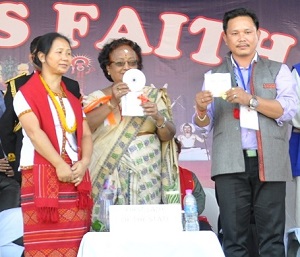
column 6, row 168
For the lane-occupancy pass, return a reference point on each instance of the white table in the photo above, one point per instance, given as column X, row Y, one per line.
column 159, row 244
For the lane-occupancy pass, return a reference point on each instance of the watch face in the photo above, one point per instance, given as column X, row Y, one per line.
column 253, row 103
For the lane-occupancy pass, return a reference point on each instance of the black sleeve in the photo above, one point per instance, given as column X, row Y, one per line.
column 1, row 151
column 7, row 123
column 72, row 86
column 199, row 194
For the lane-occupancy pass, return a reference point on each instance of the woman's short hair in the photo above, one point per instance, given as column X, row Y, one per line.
column 103, row 57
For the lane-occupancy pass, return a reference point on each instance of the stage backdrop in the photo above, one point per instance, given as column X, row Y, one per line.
column 180, row 40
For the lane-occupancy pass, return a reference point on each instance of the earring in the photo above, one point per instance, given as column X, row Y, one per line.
column 108, row 73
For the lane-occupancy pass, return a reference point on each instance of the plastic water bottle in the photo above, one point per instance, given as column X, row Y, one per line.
column 190, row 211
column 105, row 200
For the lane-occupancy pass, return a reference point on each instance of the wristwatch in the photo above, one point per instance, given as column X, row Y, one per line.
column 253, row 103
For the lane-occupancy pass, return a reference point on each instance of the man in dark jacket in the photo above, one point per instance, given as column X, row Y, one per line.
column 9, row 188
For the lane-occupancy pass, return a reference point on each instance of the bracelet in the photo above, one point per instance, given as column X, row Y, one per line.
column 201, row 119
column 163, row 124
column 111, row 107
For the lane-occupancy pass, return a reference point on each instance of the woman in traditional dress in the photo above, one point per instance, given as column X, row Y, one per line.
column 135, row 153
column 56, row 189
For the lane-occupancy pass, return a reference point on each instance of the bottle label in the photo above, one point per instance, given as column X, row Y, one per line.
column 190, row 209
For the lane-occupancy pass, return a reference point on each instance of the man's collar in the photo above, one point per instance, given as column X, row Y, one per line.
column 253, row 60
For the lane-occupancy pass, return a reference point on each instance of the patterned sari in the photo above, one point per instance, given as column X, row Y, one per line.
column 142, row 168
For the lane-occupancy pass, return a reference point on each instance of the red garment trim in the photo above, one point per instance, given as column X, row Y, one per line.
column 45, row 178
column 186, row 181
column 261, row 166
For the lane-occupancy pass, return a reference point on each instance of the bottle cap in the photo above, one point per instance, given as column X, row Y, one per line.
column 188, row 191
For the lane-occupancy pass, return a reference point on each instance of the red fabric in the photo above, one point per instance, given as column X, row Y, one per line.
column 53, row 239
column 45, row 178
column 236, row 113
column 203, row 218
column 261, row 166
column 186, row 181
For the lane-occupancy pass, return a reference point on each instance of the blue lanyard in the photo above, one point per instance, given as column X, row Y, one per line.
column 241, row 75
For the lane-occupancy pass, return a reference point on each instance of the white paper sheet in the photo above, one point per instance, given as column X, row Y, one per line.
column 145, row 217
column 217, row 83
column 131, row 104
column 248, row 118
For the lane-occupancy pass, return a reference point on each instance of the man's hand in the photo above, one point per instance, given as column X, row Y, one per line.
column 6, row 168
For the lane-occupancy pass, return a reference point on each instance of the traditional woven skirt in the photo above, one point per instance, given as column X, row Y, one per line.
column 61, row 239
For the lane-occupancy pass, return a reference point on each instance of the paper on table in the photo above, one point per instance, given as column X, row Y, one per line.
column 217, row 83
column 145, row 217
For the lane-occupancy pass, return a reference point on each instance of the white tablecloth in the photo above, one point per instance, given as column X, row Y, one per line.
column 191, row 244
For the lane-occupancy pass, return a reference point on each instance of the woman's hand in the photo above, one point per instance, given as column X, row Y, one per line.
column 79, row 169
column 165, row 129
column 73, row 174
column 150, row 109
column 118, row 90
column 64, row 172
column 6, row 168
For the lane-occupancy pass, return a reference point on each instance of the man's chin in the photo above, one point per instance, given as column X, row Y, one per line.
column 243, row 53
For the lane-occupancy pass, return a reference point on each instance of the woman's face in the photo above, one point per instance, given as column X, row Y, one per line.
column 187, row 129
column 122, row 59
column 58, row 59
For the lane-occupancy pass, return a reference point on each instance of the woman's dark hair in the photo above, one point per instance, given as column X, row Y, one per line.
column 178, row 144
column 33, row 44
column 103, row 57
column 44, row 44
column 237, row 13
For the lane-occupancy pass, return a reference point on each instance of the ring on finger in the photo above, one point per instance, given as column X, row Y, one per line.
column 234, row 96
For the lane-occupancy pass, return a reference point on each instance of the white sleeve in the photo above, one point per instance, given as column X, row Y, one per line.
column 296, row 119
column 20, row 103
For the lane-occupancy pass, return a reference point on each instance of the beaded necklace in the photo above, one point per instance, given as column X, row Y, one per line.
column 65, row 139
column 59, row 109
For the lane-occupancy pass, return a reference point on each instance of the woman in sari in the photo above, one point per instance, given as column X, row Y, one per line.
column 135, row 153
column 56, row 190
